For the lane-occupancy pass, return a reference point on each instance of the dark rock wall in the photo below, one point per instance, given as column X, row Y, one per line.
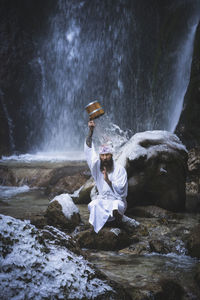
column 22, row 25
column 188, row 128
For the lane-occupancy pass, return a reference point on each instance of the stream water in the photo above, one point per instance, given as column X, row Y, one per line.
column 145, row 271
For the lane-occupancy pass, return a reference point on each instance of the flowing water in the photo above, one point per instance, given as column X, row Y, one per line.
column 145, row 271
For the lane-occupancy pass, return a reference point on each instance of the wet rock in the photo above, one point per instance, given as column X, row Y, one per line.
column 137, row 248
column 6, row 176
column 193, row 181
column 159, row 246
column 156, row 163
column 193, row 242
column 38, row 221
column 150, row 211
column 197, row 274
column 63, row 213
column 67, row 184
column 67, row 179
column 5, row 146
column 55, row 180
column 194, row 161
column 170, row 290
column 84, row 193
column 48, row 256
column 106, row 239
column 193, row 203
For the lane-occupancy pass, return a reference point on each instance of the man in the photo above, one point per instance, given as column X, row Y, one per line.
column 111, row 182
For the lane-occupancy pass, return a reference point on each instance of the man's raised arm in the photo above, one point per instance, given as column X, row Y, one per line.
column 91, row 126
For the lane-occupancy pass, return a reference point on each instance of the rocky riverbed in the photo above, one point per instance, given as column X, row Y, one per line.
column 155, row 254
column 153, row 260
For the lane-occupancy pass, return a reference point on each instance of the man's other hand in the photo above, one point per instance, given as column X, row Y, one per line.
column 105, row 176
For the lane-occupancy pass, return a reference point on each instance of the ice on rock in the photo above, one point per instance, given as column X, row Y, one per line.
column 31, row 269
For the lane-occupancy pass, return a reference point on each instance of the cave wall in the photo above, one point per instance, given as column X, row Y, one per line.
column 22, row 26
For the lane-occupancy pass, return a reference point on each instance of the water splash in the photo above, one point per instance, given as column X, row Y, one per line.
column 107, row 132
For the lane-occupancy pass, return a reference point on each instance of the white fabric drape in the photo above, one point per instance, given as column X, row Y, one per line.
column 102, row 206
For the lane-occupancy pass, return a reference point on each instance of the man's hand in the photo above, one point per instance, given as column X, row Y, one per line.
column 91, row 126
column 105, row 176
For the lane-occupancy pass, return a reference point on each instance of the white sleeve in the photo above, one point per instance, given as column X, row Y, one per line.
column 91, row 158
column 120, row 183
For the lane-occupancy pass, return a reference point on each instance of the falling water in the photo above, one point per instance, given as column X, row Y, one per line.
column 114, row 53
column 181, row 78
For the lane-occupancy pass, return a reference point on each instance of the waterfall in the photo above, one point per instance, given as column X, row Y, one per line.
column 181, row 78
column 121, row 54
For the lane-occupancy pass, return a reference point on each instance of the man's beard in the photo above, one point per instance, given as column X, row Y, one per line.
column 108, row 164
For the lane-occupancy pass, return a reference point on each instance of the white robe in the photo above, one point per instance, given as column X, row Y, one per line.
column 101, row 208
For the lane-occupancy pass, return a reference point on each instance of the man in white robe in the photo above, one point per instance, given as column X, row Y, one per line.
column 111, row 182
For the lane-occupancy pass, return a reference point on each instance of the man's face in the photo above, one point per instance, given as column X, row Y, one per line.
column 105, row 157
column 106, row 161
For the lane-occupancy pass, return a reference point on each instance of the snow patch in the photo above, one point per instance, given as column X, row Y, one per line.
column 148, row 143
column 68, row 206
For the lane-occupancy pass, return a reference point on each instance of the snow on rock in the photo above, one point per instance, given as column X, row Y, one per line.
column 156, row 164
column 158, row 140
column 36, row 268
column 68, row 206
column 62, row 212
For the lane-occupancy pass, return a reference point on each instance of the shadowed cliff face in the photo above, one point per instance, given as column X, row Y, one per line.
column 22, row 25
column 125, row 70
column 188, row 128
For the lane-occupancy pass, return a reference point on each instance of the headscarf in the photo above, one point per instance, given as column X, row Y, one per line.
column 105, row 149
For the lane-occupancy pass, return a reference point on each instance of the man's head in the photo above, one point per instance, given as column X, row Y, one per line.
column 106, row 157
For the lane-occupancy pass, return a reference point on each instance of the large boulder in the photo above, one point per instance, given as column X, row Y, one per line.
column 151, row 211
column 83, row 196
column 106, row 239
column 63, row 213
column 46, row 263
column 156, row 163
column 197, row 274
